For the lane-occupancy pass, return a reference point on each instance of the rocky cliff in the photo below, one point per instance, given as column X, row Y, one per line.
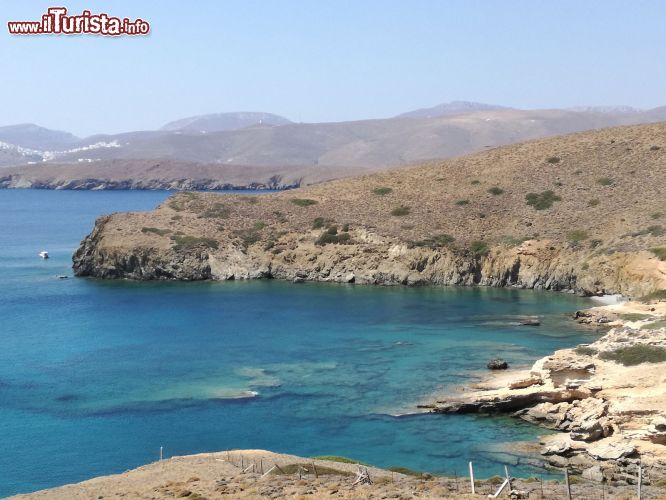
column 580, row 213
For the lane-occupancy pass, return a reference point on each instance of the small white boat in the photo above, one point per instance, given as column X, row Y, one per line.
column 44, row 254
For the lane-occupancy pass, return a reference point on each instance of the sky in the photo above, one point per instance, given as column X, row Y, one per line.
column 332, row 60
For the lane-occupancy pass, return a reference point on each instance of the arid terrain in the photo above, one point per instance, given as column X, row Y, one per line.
column 219, row 475
column 582, row 212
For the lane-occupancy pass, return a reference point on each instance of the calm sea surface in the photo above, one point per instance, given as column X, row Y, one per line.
column 95, row 376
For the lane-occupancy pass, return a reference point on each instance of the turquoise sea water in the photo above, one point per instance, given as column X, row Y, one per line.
column 95, row 376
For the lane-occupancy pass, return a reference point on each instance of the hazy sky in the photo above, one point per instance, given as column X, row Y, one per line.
column 328, row 60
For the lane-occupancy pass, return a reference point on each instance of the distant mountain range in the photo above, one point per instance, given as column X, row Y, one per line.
column 219, row 122
column 272, row 142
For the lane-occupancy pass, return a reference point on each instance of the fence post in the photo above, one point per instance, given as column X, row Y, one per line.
column 161, row 453
column 640, row 480
column 566, row 479
column 471, row 477
column 508, row 478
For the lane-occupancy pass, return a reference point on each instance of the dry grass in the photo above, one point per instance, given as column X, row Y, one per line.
column 418, row 207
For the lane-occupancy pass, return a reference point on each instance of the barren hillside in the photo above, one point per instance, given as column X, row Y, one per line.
column 584, row 212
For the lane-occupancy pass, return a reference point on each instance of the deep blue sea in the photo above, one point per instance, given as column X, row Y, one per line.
column 96, row 375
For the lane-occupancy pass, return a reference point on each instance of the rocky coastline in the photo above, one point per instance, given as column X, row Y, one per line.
column 607, row 400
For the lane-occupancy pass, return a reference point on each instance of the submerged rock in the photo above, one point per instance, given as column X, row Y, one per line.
column 497, row 364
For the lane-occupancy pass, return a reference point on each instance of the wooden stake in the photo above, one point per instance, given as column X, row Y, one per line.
column 566, row 479
column 161, row 454
column 640, row 480
column 314, row 468
column 508, row 478
column 471, row 477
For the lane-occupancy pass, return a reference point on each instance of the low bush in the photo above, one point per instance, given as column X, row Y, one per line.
column 660, row 252
column 303, row 202
column 320, row 222
column 656, row 215
column 184, row 242
column 405, row 471
column 400, row 211
column 306, row 468
column 605, row 181
column 495, row 190
column 382, row 191
column 656, row 295
column 337, row 458
column 475, row 181
column 636, row 355
column 584, row 350
column 331, row 236
column 553, row 159
column 656, row 325
column 543, row 200
column 479, row 248
column 593, row 203
column 577, row 235
column 248, row 236
column 634, row 316
column 440, row 240
column 160, row 232
column 462, row 202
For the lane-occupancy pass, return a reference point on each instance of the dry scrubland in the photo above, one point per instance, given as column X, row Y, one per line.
column 218, row 475
column 588, row 204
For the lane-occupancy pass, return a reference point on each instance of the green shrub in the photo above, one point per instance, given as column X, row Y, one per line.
column 400, row 211
column 462, row 202
column 634, row 316
column 656, row 215
column 656, row 230
column 303, row 202
column 475, row 181
column 583, row 350
column 577, row 235
column 259, row 225
column 183, row 242
column 306, row 468
column 593, row 203
column 552, row 159
column 656, row 325
column 337, row 458
column 479, row 248
column 320, row 222
column 656, row 295
column 654, row 148
column 439, row 240
column 345, row 228
column 405, row 471
column 381, row 191
column 513, row 241
column 160, row 232
column 605, row 181
column 660, row 252
column 543, row 200
column 495, row 190
column 331, row 236
column 248, row 236
column 635, row 355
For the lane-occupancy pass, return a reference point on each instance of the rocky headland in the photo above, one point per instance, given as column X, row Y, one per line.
column 607, row 399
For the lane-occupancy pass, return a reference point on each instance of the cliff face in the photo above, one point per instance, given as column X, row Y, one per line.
column 580, row 213
column 533, row 264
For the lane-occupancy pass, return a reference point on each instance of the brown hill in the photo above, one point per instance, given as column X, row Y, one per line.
column 579, row 212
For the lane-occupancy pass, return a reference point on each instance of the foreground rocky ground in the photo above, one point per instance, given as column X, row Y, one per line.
column 608, row 398
column 219, row 475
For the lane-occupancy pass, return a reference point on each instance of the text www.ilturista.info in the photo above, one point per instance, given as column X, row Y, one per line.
column 57, row 22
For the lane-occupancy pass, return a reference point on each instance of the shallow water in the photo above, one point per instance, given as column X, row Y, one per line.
column 95, row 376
